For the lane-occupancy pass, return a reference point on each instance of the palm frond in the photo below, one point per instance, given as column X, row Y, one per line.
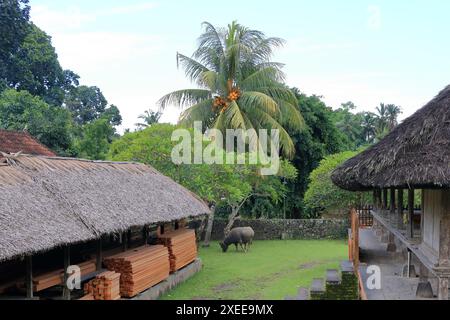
column 234, row 117
column 202, row 111
column 193, row 69
column 266, row 77
column 184, row 98
column 291, row 116
column 265, row 121
column 252, row 100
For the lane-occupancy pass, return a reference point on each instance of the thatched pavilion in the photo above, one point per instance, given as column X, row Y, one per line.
column 49, row 203
column 414, row 156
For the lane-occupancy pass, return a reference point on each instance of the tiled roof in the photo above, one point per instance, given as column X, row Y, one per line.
column 13, row 142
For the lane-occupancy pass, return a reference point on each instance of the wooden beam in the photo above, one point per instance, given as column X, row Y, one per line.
column 392, row 201
column 99, row 262
column 385, row 199
column 29, row 276
column 124, row 241
column 411, row 213
column 145, row 235
column 66, row 291
column 400, row 202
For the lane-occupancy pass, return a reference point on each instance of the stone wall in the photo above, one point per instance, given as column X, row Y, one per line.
column 288, row 229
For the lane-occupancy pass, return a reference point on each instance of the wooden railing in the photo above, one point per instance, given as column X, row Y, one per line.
column 353, row 246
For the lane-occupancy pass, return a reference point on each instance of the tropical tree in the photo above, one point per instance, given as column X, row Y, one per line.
column 149, row 118
column 369, row 126
column 239, row 86
column 382, row 122
column 392, row 112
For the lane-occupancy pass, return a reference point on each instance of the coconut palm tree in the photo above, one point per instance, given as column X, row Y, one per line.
column 392, row 113
column 238, row 85
column 382, row 122
column 369, row 125
column 149, row 118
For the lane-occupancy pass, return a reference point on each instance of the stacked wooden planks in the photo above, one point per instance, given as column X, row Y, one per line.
column 140, row 268
column 182, row 245
column 55, row 278
column 105, row 286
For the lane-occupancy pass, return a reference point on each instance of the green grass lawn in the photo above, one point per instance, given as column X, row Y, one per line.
column 271, row 270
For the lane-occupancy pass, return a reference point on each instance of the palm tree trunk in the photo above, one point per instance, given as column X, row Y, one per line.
column 209, row 228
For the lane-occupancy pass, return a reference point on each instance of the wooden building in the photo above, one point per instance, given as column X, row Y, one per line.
column 52, row 205
column 414, row 156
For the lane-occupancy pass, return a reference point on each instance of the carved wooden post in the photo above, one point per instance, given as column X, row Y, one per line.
column 444, row 245
column 392, row 199
column 66, row 291
column 29, row 277
column 385, row 199
column 124, row 241
column 411, row 213
column 99, row 257
column 424, row 289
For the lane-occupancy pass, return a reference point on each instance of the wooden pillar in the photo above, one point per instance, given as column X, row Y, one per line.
column 424, row 289
column 375, row 200
column 145, row 235
column 410, row 213
column 444, row 240
column 29, row 276
column 443, row 288
column 400, row 208
column 400, row 202
column 391, row 247
column 392, row 201
column 385, row 199
column 66, row 291
column 124, row 241
column 99, row 262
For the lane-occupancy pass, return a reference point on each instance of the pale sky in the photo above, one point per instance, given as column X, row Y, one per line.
column 363, row 51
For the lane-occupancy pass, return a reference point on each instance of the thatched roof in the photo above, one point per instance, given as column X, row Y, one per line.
column 51, row 202
column 416, row 154
column 20, row 141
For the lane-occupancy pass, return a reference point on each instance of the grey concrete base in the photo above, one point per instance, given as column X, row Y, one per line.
column 424, row 290
column 174, row 280
column 412, row 271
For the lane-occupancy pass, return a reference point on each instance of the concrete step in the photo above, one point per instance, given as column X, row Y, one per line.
column 347, row 266
column 333, row 277
column 318, row 286
column 303, row 294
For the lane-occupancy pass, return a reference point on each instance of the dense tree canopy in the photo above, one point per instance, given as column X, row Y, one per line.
column 87, row 104
column 14, row 27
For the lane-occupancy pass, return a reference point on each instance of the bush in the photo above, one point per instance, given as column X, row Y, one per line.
column 323, row 196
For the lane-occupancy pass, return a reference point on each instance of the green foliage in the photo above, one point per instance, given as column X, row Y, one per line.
column 52, row 126
column 221, row 185
column 96, row 139
column 320, row 139
column 240, row 87
column 323, row 196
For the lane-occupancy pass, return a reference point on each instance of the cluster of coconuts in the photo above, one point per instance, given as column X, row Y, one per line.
column 219, row 102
